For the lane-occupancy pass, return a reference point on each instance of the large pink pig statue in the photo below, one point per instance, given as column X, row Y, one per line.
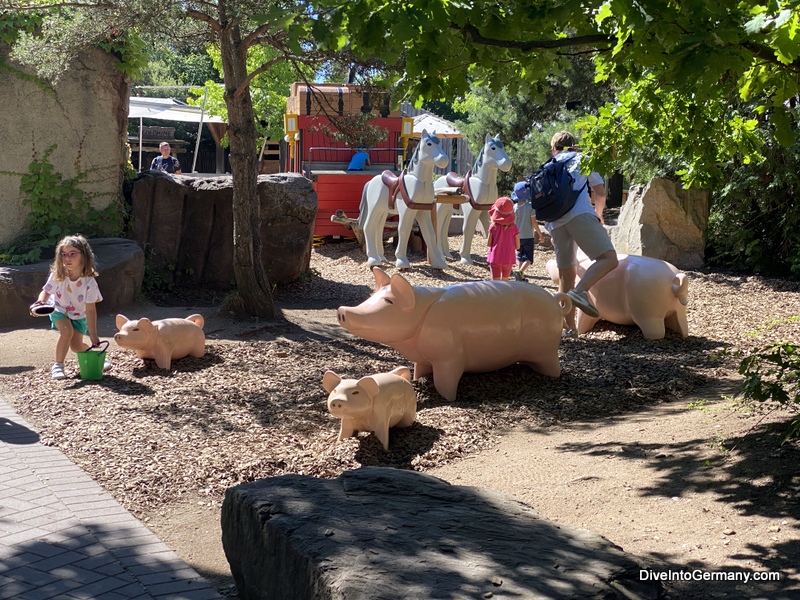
column 642, row 291
column 469, row 327
column 373, row 403
column 162, row 340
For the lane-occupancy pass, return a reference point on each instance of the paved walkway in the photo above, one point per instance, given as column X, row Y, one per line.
column 62, row 536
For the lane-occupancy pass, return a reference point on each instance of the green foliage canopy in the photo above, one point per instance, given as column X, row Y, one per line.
column 682, row 62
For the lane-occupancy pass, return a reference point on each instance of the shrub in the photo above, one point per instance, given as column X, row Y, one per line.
column 773, row 374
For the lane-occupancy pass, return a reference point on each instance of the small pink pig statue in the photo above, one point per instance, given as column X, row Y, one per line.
column 477, row 326
column 643, row 291
column 162, row 340
column 373, row 403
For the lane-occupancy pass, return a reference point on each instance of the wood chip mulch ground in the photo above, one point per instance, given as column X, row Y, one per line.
column 254, row 407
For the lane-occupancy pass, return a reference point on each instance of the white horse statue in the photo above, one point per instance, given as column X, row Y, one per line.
column 409, row 195
column 480, row 187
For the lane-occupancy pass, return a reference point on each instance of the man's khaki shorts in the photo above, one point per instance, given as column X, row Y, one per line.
column 585, row 232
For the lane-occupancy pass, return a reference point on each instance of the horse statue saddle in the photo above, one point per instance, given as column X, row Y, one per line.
column 397, row 184
column 454, row 180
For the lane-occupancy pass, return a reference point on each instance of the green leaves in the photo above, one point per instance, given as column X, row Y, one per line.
column 772, row 374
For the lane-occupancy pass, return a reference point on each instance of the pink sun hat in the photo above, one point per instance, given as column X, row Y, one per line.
column 502, row 212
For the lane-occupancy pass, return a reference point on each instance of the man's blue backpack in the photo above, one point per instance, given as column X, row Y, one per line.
column 550, row 189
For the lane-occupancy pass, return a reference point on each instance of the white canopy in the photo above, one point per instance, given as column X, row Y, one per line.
column 430, row 122
column 168, row 109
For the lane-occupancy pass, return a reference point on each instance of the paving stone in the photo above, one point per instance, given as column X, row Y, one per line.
column 62, row 536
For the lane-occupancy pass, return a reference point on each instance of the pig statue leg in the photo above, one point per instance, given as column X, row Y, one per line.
column 550, row 367
column 379, row 422
column 407, row 420
column 163, row 358
column 677, row 322
column 652, row 327
column 347, row 429
column 446, row 377
column 584, row 322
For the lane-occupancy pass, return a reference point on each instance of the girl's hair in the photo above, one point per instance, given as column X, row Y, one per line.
column 79, row 242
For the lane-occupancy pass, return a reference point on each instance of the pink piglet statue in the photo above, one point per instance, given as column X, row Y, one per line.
column 162, row 340
column 372, row 403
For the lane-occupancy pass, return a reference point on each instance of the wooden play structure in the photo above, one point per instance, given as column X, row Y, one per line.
column 311, row 112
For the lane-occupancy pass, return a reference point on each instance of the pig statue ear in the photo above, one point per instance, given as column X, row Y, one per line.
column 121, row 320
column 381, row 278
column 330, row 380
column 144, row 323
column 369, row 386
column 403, row 291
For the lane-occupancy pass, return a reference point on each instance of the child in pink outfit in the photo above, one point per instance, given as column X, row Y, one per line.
column 503, row 239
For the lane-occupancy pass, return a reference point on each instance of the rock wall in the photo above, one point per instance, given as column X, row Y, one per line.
column 187, row 223
column 85, row 114
column 662, row 220
column 385, row 534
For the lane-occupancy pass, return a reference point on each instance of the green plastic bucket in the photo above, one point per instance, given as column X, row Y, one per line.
column 91, row 361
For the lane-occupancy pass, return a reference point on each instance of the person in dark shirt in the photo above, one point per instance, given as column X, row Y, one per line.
column 165, row 162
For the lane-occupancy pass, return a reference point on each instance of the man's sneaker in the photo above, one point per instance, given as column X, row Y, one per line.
column 517, row 276
column 106, row 365
column 57, row 372
column 581, row 300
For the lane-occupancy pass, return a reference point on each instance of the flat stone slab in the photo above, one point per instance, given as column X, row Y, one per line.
column 380, row 533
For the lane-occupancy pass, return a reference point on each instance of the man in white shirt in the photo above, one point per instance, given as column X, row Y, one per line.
column 582, row 227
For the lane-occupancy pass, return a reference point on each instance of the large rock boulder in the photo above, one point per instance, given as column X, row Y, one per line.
column 662, row 220
column 120, row 263
column 379, row 533
column 186, row 224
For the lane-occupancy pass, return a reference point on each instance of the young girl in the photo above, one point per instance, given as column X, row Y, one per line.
column 74, row 290
column 503, row 239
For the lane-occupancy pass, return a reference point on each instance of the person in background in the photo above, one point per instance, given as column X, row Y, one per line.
column 582, row 227
column 528, row 226
column 165, row 162
column 360, row 160
column 503, row 239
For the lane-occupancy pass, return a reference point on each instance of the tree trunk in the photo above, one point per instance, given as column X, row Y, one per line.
column 251, row 278
column 614, row 191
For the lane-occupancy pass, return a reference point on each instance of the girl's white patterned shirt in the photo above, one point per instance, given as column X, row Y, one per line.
column 70, row 297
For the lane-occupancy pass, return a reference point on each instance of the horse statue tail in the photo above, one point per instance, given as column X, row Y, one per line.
column 362, row 208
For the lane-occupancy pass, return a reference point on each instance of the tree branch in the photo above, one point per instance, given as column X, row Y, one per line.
column 250, row 76
column 768, row 54
column 251, row 40
column 201, row 16
column 584, row 40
